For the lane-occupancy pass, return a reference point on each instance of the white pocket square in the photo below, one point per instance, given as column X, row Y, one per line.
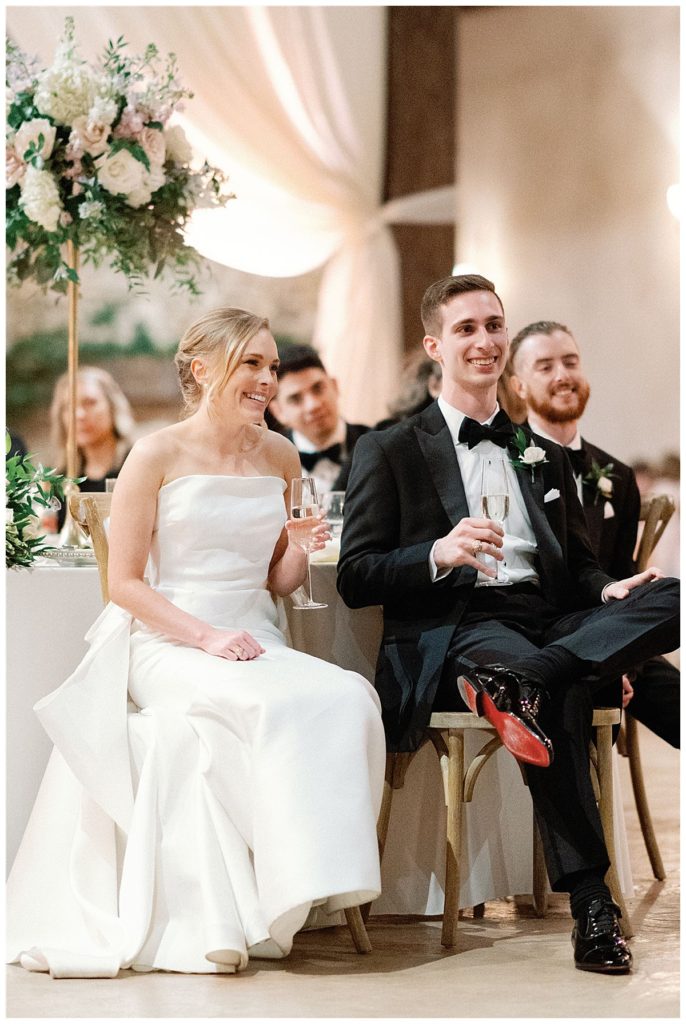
column 551, row 495
column 608, row 511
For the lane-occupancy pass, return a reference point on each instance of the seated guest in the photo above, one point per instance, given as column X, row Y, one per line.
column 547, row 375
column 307, row 406
column 525, row 632
column 104, row 427
column 421, row 385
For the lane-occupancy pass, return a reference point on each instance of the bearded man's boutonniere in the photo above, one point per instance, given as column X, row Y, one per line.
column 600, row 479
column 524, row 454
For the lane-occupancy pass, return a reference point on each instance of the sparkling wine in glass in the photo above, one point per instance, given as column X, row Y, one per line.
column 495, row 497
column 305, row 507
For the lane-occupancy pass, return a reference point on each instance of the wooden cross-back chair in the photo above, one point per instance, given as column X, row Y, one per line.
column 656, row 512
column 90, row 510
column 446, row 732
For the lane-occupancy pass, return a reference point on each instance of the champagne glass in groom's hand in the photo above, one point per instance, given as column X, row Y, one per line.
column 305, row 509
column 495, row 498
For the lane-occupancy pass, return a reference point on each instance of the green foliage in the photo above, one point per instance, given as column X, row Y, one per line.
column 27, row 486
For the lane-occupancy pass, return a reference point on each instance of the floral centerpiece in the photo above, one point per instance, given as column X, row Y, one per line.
column 26, row 486
column 92, row 160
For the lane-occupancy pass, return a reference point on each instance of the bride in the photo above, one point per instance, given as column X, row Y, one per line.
column 200, row 826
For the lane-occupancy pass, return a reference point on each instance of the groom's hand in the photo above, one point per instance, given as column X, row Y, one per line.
column 622, row 588
column 466, row 541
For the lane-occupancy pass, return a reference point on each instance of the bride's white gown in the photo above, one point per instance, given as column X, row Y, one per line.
column 202, row 828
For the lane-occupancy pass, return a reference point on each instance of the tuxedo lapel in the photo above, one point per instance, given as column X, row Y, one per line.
column 549, row 549
column 438, row 449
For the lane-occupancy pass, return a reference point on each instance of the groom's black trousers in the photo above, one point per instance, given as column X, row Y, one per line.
column 508, row 624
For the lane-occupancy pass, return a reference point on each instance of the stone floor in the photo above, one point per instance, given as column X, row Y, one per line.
column 508, row 964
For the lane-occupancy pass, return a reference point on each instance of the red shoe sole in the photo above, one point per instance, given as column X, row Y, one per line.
column 515, row 736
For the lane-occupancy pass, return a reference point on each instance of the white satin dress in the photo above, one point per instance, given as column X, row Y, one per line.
column 201, row 826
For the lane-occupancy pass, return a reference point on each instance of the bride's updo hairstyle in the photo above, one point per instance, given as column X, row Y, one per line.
column 219, row 339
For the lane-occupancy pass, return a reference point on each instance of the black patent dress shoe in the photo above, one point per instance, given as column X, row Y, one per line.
column 598, row 941
column 512, row 704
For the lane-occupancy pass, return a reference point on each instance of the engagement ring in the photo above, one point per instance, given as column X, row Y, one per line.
column 477, row 548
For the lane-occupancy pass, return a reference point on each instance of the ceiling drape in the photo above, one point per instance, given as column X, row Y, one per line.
column 290, row 102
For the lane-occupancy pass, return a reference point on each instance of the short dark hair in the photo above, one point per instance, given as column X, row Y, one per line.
column 540, row 327
column 298, row 357
column 439, row 293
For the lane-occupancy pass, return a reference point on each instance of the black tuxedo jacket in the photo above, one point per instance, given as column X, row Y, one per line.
column 405, row 491
column 353, row 432
column 613, row 539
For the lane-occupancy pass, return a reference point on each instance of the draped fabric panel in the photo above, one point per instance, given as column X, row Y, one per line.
column 290, row 102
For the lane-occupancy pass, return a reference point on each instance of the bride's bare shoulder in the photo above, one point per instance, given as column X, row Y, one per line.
column 154, row 453
column 283, row 454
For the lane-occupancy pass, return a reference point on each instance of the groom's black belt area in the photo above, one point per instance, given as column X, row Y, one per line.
column 523, row 589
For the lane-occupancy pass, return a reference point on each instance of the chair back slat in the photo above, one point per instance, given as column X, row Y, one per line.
column 655, row 514
column 90, row 509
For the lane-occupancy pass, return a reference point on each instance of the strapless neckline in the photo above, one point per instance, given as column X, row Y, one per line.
column 223, row 476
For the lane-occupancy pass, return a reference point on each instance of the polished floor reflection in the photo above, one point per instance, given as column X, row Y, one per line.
column 508, row 964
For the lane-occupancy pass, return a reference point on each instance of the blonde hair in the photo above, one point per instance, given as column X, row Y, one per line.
column 123, row 424
column 220, row 337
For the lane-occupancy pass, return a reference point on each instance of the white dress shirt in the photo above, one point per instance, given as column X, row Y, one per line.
column 519, row 543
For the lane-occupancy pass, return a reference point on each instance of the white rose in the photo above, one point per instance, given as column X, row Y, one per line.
column 532, row 455
column 89, row 136
column 138, row 197
column 40, row 198
column 30, row 132
column 605, row 486
column 178, row 147
column 152, row 141
column 120, row 173
column 152, row 180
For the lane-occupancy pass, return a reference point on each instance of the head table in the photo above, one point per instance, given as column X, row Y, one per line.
column 49, row 610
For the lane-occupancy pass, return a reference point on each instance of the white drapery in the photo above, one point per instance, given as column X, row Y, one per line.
column 290, row 102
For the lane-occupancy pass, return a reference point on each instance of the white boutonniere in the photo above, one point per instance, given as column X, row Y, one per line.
column 526, row 455
column 600, row 478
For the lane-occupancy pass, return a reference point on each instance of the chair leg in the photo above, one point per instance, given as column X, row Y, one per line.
column 634, row 755
column 383, row 819
column 358, row 931
column 540, row 875
column 606, row 803
column 454, row 836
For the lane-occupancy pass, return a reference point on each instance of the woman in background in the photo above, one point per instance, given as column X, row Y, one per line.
column 104, row 428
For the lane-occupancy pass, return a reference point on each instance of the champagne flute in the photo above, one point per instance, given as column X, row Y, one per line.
column 305, row 506
column 495, row 497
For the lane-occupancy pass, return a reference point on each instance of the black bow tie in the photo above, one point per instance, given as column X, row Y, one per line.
column 309, row 460
column 500, row 431
column 580, row 460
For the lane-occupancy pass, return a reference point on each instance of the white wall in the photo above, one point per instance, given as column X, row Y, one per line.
column 567, row 142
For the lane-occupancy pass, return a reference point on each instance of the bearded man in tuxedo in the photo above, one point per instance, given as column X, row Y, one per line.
column 527, row 652
column 546, row 373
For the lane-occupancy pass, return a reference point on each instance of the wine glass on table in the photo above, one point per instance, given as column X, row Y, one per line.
column 305, row 508
column 495, row 499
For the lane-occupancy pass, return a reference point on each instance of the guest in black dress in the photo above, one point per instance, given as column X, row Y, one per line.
column 104, row 428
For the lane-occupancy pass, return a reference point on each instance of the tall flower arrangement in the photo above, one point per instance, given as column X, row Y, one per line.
column 93, row 160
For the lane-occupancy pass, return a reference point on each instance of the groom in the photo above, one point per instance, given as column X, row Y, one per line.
column 527, row 649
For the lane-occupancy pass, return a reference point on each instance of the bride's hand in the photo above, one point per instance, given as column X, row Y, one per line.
column 304, row 535
column 232, row 644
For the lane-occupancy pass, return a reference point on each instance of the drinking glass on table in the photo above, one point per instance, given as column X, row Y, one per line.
column 332, row 503
column 495, row 498
column 305, row 507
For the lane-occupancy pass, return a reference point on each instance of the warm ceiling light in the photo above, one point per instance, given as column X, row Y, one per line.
column 674, row 200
